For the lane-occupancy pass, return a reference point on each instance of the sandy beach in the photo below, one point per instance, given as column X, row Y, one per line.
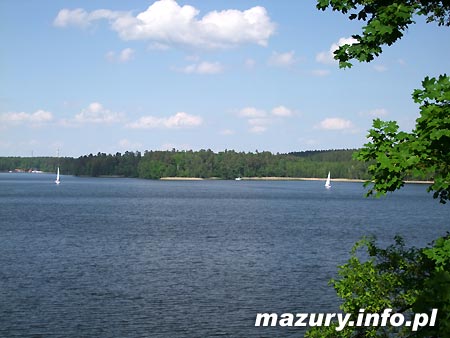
column 181, row 178
column 270, row 178
column 299, row 179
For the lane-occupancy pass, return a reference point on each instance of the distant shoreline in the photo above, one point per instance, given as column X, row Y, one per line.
column 183, row 178
column 273, row 178
column 267, row 178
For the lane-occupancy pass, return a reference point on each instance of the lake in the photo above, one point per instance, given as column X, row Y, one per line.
column 101, row 257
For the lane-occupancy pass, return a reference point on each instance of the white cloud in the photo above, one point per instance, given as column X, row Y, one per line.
column 123, row 56
column 335, row 123
column 126, row 55
column 259, row 120
column 168, row 23
column 75, row 17
column 177, row 121
column 36, row 118
column 80, row 18
column 282, row 111
column 282, row 59
column 256, row 119
column 208, row 68
column 258, row 125
column 251, row 112
column 96, row 113
column 328, row 57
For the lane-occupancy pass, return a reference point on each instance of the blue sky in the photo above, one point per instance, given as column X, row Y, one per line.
column 111, row 76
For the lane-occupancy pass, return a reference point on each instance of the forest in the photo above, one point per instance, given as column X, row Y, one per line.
column 227, row 164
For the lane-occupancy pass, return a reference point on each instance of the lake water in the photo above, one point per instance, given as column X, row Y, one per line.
column 98, row 257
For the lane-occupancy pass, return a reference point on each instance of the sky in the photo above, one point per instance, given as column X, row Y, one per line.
column 114, row 76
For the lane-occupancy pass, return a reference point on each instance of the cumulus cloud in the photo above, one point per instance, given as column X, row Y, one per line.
column 328, row 57
column 167, row 23
column 251, row 112
column 96, row 113
column 80, row 18
column 202, row 68
column 282, row 59
column 259, row 120
column 177, row 121
column 36, row 118
column 335, row 123
column 123, row 56
column 282, row 111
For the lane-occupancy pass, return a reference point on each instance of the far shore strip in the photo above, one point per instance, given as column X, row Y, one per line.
column 271, row 178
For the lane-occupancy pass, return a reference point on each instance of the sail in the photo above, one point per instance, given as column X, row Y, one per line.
column 57, row 181
column 328, row 182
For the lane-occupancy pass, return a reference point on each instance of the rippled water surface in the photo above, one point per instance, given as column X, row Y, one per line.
column 137, row 258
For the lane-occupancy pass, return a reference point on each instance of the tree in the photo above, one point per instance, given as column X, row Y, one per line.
column 407, row 280
column 386, row 22
column 423, row 152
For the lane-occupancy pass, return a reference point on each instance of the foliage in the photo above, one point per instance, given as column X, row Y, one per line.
column 385, row 23
column 227, row 164
column 424, row 151
column 405, row 280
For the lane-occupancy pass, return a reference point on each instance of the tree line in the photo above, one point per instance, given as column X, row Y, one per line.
column 227, row 164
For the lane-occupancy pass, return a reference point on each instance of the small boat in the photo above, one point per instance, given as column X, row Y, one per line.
column 57, row 181
column 238, row 179
column 328, row 182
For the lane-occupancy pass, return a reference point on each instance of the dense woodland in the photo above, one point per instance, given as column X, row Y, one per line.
column 227, row 164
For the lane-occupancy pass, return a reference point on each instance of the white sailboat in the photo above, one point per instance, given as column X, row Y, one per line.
column 328, row 182
column 57, row 181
